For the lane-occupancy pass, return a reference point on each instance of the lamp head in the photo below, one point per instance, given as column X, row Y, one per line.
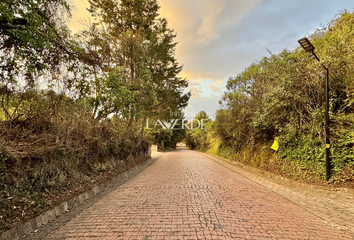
column 306, row 45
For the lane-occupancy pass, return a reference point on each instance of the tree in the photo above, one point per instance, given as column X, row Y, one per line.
column 137, row 74
column 283, row 96
column 196, row 136
column 34, row 41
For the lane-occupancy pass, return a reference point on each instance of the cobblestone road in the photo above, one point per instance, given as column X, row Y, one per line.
column 185, row 195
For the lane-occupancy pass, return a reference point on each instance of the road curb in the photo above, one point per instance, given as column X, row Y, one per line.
column 48, row 216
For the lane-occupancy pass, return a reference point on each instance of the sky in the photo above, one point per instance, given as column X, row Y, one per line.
column 218, row 39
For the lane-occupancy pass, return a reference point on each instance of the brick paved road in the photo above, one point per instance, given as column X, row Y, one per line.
column 185, row 195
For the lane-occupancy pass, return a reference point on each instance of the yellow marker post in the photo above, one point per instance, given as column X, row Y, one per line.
column 275, row 145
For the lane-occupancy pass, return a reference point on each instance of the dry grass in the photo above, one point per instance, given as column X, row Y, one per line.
column 46, row 157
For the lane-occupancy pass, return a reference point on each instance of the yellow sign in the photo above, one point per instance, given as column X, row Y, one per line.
column 328, row 145
column 275, row 145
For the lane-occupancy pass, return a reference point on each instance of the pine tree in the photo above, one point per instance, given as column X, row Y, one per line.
column 135, row 58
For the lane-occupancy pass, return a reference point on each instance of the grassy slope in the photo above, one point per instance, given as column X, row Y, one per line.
column 45, row 160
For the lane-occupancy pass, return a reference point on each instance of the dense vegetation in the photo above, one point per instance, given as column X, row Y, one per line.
column 283, row 96
column 72, row 107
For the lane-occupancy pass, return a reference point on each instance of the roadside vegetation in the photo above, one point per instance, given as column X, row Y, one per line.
column 73, row 109
column 282, row 96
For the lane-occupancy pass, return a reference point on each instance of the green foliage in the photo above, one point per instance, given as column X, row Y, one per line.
column 283, row 96
column 196, row 136
column 167, row 136
column 34, row 45
column 98, row 89
column 33, row 38
column 304, row 148
column 135, row 74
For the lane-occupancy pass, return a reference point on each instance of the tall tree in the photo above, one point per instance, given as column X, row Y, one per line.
column 33, row 41
column 137, row 67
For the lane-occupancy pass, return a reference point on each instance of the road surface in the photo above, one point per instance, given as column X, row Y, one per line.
column 186, row 195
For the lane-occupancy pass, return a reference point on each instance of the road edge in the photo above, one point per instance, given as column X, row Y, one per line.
column 49, row 216
column 275, row 182
column 275, row 177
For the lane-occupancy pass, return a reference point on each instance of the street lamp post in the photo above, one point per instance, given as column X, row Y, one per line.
column 308, row 47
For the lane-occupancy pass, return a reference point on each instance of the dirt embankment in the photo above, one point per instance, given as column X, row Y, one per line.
column 43, row 163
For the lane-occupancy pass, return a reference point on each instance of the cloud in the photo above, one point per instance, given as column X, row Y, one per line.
column 192, row 83
column 209, row 105
column 79, row 14
column 213, row 87
column 195, row 82
column 200, row 25
column 195, row 90
column 195, row 74
column 220, row 38
column 218, row 82
column 211, row 12
column 220, row 14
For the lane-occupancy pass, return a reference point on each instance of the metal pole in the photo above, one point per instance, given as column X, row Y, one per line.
column 328, row 143
column 328, row 161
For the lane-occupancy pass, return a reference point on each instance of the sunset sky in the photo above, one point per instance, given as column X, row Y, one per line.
column 220, row 38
